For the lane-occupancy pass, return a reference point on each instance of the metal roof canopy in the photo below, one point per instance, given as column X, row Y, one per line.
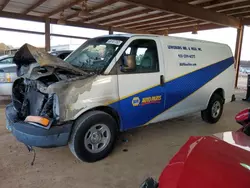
column 134, row 16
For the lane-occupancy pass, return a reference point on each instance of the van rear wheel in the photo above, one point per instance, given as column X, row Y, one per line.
column 93, row 136
column 214, row 109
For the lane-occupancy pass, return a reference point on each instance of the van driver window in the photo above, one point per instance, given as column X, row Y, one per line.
column 144, row 54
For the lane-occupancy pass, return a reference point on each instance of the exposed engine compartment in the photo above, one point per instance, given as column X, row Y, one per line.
column 29, row 96
column 47, row 85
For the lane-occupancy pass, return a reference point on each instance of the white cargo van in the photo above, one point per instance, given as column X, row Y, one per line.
column 115, row 83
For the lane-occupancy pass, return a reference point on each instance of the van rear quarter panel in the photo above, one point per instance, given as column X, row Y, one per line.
column 194, row 69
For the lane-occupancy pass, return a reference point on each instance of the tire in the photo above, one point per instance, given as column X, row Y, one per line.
column 209, row 114
column 86, row 137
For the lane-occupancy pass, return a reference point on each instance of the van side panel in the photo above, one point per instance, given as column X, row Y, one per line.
column 197, row 100
column 193, row 71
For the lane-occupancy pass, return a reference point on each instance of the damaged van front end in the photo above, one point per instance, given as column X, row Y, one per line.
column 68, row 102
column 41, row 111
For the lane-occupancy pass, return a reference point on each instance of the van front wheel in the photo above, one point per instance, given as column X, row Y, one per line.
column 93, row 136
column 214, row 109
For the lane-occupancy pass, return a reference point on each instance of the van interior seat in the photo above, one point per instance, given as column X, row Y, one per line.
column 148, row 61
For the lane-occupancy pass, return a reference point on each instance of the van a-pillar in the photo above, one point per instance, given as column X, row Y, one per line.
column 239, row 39
column 47, row 35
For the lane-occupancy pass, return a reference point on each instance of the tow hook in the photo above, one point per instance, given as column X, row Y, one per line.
column 31, row 149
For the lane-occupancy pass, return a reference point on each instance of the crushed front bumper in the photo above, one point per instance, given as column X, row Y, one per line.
column 32, row 135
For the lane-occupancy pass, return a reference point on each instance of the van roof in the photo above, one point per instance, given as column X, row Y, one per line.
column 131, row 35
column 172, row 37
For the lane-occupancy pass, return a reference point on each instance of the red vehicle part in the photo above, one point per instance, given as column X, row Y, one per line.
column 209, row 162
column 243, row 117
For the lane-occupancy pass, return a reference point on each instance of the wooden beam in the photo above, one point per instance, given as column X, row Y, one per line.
column 22, row 31
column 68, row 23
column 102, row 15
column 69, row 36
column 115, row 18
column 42, row 33
column 32, row 7
column 232, row 12
column 246, row 21
column 240, row 14
column 187, row 10
column 197, row 2
column 236, row 47
column 157, row 22
column 167, row 26
column 191, row 25
column 188, row 20
column 237, row 55
column 218, row 3
column 143, row 19
column 47, row 34
column 218, row 6
column 63, row 7
column 162, row 21
column 102, row 5
column 71, row 16
column 191, row 28
column 21, row 16
column 4, row 4
column 97, row 7
column 235, row 6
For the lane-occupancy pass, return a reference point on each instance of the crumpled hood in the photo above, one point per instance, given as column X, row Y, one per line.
column 29, row 54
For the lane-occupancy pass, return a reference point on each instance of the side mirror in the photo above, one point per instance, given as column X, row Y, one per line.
column 128, row 63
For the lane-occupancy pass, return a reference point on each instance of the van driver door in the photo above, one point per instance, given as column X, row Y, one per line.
column 141, row 83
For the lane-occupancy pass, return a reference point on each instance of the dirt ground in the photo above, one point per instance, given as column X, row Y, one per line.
column 148, row 151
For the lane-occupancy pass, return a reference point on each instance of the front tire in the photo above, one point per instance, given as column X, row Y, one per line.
column 93, row 136
column 214, row 109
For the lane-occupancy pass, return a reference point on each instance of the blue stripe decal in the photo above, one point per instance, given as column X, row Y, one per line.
column 132, row 111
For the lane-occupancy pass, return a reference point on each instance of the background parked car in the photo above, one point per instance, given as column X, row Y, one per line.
column 6, row 59
column 245, row 70
column 8, row 70
column 62, row 54
column 7, row 74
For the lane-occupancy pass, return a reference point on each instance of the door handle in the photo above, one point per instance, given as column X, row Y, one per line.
column 162, row 81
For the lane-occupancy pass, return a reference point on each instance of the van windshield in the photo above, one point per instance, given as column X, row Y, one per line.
column 96, row 54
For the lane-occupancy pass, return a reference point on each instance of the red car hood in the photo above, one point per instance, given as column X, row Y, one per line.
column 238, row 139
column 209, row 162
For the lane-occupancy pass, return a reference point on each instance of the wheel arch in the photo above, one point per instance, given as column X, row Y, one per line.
column 107, row 109
column 219, row 91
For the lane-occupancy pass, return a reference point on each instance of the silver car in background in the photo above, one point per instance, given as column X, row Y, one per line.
column 8, row 70
column 7, row 74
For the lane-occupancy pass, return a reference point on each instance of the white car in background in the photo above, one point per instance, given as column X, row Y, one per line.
column 8, row 70
column 7, row 74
